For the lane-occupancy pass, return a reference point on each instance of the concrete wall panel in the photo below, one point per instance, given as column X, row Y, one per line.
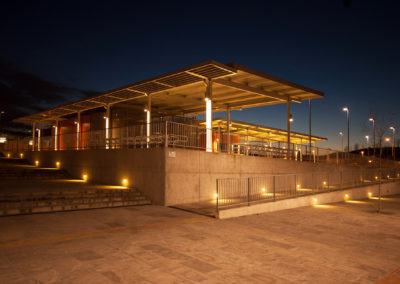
column 197, row 171
column 144, row 168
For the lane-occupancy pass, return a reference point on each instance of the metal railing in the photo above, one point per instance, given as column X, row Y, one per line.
column 176, row 134
column 233, row 192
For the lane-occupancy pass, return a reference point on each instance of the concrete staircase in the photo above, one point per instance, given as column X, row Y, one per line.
column 21, row 169
column 25, row 189
column 40, row 202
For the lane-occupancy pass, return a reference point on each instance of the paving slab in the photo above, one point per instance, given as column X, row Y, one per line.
column 344, row 242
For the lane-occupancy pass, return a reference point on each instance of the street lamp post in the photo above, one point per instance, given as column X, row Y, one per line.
column 341, row 134
column 347, row 110
column 373, row 130
column 394, row 133
column 367, row 137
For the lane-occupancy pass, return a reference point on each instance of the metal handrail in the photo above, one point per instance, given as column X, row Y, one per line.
column 233, row 192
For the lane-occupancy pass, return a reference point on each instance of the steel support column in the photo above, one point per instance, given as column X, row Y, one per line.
column 107, row 134
column 208, row 99
column 78, row 131
column 148, row 120
column 228, row 126
column 309, row 123
column 288, row 128
column 33, row 135
column 56, row 136
column 39, row 134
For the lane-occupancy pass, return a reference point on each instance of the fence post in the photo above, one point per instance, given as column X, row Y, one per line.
column 362, row 176
column 341, row 179
column 328, row 180
column 273, row 182
column 248, row 191
column 166, row 135
column 217, row 201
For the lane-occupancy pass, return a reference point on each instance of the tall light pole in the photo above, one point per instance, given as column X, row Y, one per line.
column 367, row 137
column 347, row 109
column 373, row 130
column 341, row 134
column 394, row 133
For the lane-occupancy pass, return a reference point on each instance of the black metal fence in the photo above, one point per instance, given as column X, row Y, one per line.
column 232, row 192
column 183, row 135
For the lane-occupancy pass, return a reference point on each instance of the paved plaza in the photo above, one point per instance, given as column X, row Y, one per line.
column 337, row 243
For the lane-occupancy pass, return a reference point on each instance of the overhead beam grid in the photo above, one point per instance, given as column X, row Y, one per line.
column 182, row 91
column 256, row 132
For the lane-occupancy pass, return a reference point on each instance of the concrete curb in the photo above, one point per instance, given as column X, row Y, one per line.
column 321, row 198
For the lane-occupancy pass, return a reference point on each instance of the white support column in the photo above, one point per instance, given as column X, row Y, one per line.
column 78, row 131
column 315, row 151
column 208, row 99
column 56, row 136
column 166, row 134
column 288, row 129
column 219, row 138
column 301, row 154
column 33, row 135
column 107, row 134
column 228, row 126
column 247, row 142
column 39, row 130
column 148, row 120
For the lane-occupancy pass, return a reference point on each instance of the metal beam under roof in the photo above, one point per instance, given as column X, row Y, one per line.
column 235, row 86
column 263, row 132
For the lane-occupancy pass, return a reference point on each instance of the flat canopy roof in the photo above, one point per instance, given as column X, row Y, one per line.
column 182, row 92
column 263, row 132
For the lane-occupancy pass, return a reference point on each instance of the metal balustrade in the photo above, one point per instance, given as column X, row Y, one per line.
column 232, row 192
column 174, row 134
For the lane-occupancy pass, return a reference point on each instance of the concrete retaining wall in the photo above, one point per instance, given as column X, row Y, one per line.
column 171, row 176
column 144, row 168
column 190, row 175
column 323, row 198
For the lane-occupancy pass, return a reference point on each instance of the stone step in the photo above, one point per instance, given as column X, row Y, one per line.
column 67, row 200
column 32, row 174
column 67, row 195
column 81, row 206
column 64, row 201
column 13, row 161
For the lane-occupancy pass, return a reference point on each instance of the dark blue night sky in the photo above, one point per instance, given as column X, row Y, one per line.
column 352, row 53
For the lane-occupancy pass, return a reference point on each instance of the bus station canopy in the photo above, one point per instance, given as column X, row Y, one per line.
column 182, row 92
